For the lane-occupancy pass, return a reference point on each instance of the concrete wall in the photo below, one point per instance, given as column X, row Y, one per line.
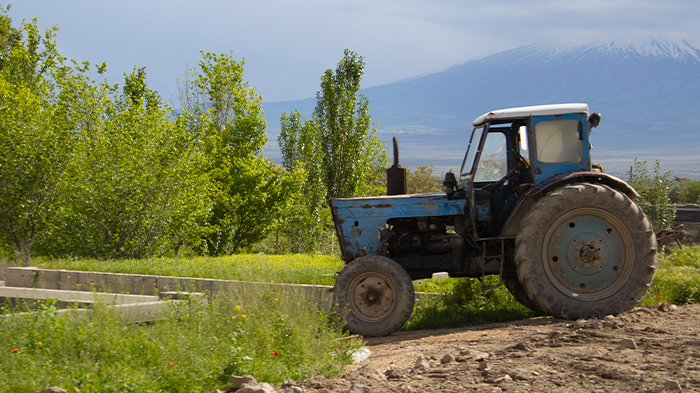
column 72, row 280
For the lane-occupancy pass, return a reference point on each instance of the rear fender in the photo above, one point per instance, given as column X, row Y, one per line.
column 512, row 225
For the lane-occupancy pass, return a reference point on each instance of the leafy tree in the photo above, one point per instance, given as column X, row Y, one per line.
column 685, row 191
column 654, row 193
column 337, row 149
column 251, row 194
column 135, row 187
column 38, row 94
column 421, row 180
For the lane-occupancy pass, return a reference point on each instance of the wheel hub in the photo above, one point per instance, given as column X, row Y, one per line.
column 588, row 254
column 373, row 297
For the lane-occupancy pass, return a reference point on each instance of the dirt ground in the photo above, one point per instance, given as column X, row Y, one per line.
column 653, row 349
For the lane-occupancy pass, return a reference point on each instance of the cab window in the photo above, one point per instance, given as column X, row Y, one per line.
column 493, row 164
column 559, row 141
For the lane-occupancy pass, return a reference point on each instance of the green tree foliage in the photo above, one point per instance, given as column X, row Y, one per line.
column 336, row 149
column 39, row 92
column 654, row 193
column 251, row 193
column 421, row 180
column 685, row 191
column 134, row 187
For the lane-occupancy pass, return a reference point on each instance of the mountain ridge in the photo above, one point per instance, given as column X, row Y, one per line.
column 648, row 94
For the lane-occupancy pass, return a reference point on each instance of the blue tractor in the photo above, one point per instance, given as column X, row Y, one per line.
column 527, row 205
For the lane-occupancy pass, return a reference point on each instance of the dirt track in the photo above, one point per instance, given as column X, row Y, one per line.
column 646, row 350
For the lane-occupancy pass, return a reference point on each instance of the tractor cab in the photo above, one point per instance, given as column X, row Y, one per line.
column 513, row 150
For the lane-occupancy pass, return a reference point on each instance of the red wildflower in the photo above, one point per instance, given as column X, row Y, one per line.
column 659, row 297
column 172, row 363
column 275, row 352
column 15, row 350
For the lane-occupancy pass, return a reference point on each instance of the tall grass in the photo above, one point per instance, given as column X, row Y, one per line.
column 196, row 349
column 296, row 268
column 677, row 277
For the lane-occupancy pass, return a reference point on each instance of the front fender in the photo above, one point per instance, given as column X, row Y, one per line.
column 512, row 225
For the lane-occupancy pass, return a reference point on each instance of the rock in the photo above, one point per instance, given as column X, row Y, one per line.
column 365, row 374
column 432, row 357
column 256, row 388
column 421, row 364
column 505, row 378
column 482, row 365
column 447, row 359
column 628, row 343
column 481, row 356
column 356, row 388
column 239, row 381
column 288, row 383
column 393, row 373
column 297, row 389
column 522, row 346
column 404, row 388
column 53, row 389
column 672, row 386
column 520, row 374
column 578, row 324
column 672, row 307
column 317, row 382
column 215, row 391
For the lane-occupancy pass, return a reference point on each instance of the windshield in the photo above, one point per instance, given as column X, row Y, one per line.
column 472, row 150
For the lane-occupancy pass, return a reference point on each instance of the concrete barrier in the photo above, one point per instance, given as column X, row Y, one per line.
column 73, row 280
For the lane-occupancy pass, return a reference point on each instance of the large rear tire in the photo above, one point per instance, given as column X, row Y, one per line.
column 585, row 250
column 518, row 291
column 375, row 295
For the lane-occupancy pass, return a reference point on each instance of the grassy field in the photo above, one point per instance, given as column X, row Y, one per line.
column 196, row 350
column 263, row 334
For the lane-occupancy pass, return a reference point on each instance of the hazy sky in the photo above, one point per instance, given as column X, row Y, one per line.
column 287, row 45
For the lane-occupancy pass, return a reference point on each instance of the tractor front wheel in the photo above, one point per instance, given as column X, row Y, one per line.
column 585, row 250
column 375, row 295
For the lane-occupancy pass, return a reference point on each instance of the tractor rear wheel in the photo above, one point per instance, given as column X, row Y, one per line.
column 375, row 295
column 585, row 250
column 518, row 291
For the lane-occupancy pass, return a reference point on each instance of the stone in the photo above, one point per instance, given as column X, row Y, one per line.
column 297, row 389
column 392, row 373
column 523, row 346
column 447, row 359
column 628, row 343
column 239, row 381
column 421, row 364
column 53, row 389
column 287, row 383
column 481, row 356
column 520, row 374
column 672, row 386
column 357, row 388
column 404, row 388
column 256, row 388
column 505, row 378
column 482, row 365
column 215, row 391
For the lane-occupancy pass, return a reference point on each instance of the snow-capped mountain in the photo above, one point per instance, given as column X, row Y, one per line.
column 648, row 94
column 653, row 48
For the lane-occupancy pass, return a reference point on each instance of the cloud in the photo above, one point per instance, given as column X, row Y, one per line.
column 287, row 45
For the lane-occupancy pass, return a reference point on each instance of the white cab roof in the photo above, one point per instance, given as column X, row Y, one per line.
column 537, row 110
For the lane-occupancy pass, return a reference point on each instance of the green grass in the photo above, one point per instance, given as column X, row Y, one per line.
column 677, row 278
column 296, row 268
column 196, row 350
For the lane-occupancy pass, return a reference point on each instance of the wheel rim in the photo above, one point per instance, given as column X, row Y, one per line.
column 372, row 297
column 588, row 254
